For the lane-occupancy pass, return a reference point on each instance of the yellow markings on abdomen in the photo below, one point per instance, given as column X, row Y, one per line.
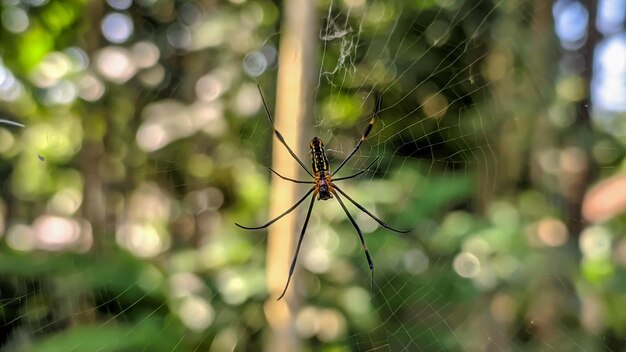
column 319, row 161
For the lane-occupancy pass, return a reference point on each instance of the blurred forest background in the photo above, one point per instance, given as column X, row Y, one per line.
column 133, row 138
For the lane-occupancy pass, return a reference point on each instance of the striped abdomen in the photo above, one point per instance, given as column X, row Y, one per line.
column 319, row 162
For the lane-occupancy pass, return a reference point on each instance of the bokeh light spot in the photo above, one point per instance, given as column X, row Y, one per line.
column 196, row 313
column 78, row 58
column 190, row 13
column 595, row 242
column 21, row 238
column 117, row 27
column 141, row 239
column 435, row 105
column 571, row 21
column 120, row 4
column 52, row 69
column 200, row 165
column 179, row 36
column 55, row 233
column 255, row 64
column 145, row 54
column 466, row 265
column 90, row 88
column 415, row 261
column 209, row 87
column 115, row 64
column 36, row 3
column 307, row 322
column 66, row 201
column 62, row 93
column 552, row 232
column 153, row 76
column 234, row 289
column 15, row 19
column 332, row 325
column 247, row 101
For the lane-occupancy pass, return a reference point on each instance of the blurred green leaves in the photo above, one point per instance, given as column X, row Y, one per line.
column 122, row 337
column 36, row 43
column 156, row 145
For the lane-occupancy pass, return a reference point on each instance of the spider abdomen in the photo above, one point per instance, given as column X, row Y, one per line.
column 319, row 161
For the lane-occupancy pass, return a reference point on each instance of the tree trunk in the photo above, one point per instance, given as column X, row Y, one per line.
column 293, row 115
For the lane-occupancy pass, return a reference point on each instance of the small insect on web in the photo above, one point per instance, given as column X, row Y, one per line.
column 324, row 187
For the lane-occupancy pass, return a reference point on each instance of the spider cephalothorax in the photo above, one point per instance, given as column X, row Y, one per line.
column 324, row 188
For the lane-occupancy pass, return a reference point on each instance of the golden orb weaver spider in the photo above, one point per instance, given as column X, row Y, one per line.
column 324, row 187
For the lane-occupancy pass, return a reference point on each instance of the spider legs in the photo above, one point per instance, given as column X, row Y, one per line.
column 281, row 215
column 278, row 134
column 337, row 179
column 289, row 179
column 295, row 256
column 358, row 230
column 358, row 173
column 362, row 208
column 366, row 133
column 306, row 222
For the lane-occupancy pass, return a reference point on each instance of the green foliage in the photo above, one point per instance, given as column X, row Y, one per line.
column 138, row 154
column 113, row 338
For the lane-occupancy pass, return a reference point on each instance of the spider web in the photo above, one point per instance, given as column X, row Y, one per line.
column 142, row 255
column 441, row 135
column 434, row 134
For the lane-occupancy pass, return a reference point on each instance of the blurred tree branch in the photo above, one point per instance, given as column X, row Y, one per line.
column 293, row 113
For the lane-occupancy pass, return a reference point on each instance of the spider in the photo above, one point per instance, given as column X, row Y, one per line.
column 324, row 187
